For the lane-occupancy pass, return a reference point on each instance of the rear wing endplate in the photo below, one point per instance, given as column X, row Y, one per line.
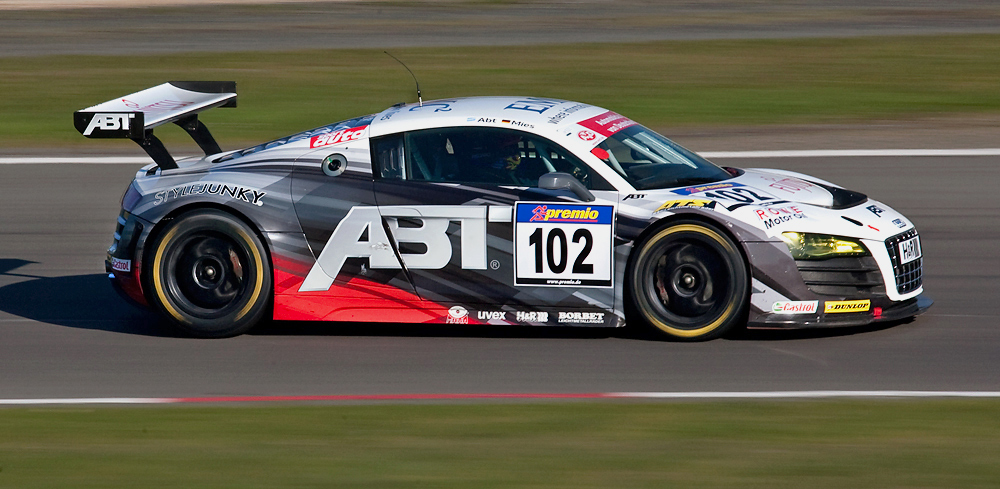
column 134, row 116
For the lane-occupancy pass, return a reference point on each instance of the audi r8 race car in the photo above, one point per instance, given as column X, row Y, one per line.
column 493, row 210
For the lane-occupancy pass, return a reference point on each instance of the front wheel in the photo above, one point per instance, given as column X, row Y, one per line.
column 689, row 280
column 209, row 274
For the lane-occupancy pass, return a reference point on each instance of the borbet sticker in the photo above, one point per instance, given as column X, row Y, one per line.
column 607, row 123
column 581, row 317
column 341, row 136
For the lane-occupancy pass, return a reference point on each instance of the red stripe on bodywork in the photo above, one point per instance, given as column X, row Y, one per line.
column 357, row 300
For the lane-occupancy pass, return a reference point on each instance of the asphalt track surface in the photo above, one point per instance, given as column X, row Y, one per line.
column 344, row 24
column 64, row 332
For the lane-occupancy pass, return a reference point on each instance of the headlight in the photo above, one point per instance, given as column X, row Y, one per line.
column 808, row 246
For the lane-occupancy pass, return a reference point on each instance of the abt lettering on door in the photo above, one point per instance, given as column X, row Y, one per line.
column 361, row 235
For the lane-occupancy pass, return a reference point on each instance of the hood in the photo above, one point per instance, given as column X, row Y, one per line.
column 775, row 201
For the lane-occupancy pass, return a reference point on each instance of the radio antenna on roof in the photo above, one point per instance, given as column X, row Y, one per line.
column 420, row 99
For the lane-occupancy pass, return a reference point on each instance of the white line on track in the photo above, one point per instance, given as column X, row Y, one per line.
column 524, row 396
column 809, row 153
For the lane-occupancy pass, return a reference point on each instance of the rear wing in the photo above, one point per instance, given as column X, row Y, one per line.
column 134, row 116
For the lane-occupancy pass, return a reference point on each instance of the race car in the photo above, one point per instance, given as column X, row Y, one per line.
column 489, row 210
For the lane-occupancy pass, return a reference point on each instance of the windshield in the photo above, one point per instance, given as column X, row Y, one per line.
column 648, row 160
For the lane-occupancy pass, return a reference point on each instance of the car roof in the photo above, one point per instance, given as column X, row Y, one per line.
column 546, row 116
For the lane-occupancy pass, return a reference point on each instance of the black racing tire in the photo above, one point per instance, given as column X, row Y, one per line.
column 689, row 281
column 209, row 274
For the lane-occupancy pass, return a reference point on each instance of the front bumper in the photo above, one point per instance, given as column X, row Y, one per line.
column 881, row 310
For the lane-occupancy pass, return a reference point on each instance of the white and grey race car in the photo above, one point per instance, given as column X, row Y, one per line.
column 498, row 210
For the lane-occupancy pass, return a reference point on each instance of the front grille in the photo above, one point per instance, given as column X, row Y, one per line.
column 844, row 276
column 909, row 276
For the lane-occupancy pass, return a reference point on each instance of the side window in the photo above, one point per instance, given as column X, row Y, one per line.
column 487, row 155
column 388, row 156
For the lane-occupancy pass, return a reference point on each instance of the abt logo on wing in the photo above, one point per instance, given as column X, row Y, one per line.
column 110, row 122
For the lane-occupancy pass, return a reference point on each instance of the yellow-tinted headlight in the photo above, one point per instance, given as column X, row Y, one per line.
column 809, row 246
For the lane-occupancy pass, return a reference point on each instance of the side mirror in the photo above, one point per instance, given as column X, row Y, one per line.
column 565, row 181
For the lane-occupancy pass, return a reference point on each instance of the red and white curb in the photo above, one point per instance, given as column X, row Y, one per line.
column 819, row 394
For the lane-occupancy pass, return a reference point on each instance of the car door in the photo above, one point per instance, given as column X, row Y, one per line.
column 459, row 202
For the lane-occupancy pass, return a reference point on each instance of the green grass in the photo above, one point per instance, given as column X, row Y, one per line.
column 856, row 444
column 660, row 84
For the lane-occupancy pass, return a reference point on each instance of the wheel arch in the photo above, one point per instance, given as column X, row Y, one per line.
column 667, row 221
column 164, row 221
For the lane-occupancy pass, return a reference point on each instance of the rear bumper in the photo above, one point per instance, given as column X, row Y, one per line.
column 123, row 262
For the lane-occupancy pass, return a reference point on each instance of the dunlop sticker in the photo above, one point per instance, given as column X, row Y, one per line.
column 830, row 307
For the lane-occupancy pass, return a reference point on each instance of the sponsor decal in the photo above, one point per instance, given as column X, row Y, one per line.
column 773, row 216
column 518, row 123
column 586, row 135
column 563, row 244
column 532, row 317
column 341, row 136
column 360, row 234
column 390, row 112
column 439, row 106
column 457, row 315
column 876, row 210
column 899, row 223
column 831, row 307
column 533, row 104
column 566, row 213
column 634, row 196
column 581, row 317
column 688, row 203
column 120, row 265
column 564, row 113
column 492, row 315
column 794, row 307
column 706, row 188
column 248, row 195
column 109, row 122
column 607, row 123
column 790, row 185
column 769, row 212
column 909, row 250
column 161, row 106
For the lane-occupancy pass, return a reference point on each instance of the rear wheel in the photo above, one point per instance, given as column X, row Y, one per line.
column 209, row 274
column 689, row 280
